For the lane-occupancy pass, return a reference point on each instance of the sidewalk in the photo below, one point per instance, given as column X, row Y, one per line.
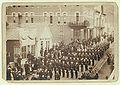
column 106, row 69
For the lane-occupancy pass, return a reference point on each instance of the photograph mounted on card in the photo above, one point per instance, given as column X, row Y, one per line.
column 60, row 41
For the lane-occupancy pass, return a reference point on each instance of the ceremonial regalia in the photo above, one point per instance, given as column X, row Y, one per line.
column 57, row 76
column 27, row 69
column 76, row 73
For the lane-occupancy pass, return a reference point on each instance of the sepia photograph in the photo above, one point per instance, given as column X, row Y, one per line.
column 60, row 41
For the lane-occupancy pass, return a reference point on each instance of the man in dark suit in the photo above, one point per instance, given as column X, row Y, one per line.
column 27, row 69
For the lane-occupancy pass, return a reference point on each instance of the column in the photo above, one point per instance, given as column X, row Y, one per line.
column 84, row 33
column 30, row 48
column 88, row 33
column 74, row 33
column 26, row 50
column 87, row 36
column 79, row 33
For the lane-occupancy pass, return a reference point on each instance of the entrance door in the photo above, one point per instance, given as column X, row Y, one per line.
column 13, row 49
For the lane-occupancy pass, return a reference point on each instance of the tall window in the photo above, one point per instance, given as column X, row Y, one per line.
column 14, row 18
column 19, row 18
column 77, row 17
column 32, row 17
column 26, row 17
column 45, row 16
column 64, row 17
column 41, row 50
column 16, row 48
column 33, row 49
column 29, row 48
column 47, row 45
column 51, row 18
column 24, row 52
column 16, row 51
column 91, row 33
column 58, row 16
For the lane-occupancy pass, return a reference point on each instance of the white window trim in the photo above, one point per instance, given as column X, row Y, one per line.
column 19, row 13
column 57, row 14
column 32, row 13
column 66, row 14
column 77, row 12
column 51, row 14
column 14, row 17
column 26, row 17
column 27, row 14
column 44, row 14
column 14, row 13
column 75, row 15
column 64, row 17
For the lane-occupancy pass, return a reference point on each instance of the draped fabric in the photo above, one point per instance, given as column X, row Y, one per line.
column 27, row 36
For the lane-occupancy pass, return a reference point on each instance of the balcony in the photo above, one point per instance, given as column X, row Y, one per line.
column 100, row 27
column 77, row 25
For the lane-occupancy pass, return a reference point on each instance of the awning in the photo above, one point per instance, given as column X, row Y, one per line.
column 27, row 36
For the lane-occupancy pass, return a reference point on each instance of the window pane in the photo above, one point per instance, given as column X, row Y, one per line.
column 31, row 20
column 24, row 52
column 33, row 49
column 51, row 19
column 77, row 17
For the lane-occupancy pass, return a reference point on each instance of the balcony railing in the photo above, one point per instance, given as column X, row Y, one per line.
column 79, row 25
column 75, row 25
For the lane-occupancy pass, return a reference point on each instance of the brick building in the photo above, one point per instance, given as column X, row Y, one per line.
column 31, row 28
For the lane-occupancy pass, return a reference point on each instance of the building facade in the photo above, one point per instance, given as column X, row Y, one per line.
column 31, row 28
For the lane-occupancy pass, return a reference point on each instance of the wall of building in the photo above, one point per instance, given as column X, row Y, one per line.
column 60, row 31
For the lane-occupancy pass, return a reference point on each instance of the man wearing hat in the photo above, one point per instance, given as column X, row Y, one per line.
column 71, row 69
column 33, row 77
column 57, row 76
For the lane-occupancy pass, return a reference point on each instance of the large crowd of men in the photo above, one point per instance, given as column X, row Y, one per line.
column 74, row 60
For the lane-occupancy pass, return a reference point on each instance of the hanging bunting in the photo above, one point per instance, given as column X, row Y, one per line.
column 23, row 38
column 30, row 38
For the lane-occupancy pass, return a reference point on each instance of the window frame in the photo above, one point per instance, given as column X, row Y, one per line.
column 45, row 15
column 58, row 17
column 24, row 52
column 31, row 15
column 51, row 18
column 77, row 18
column 14, row 17
column 18, row 16
column 64, row 14
column 26, row 17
